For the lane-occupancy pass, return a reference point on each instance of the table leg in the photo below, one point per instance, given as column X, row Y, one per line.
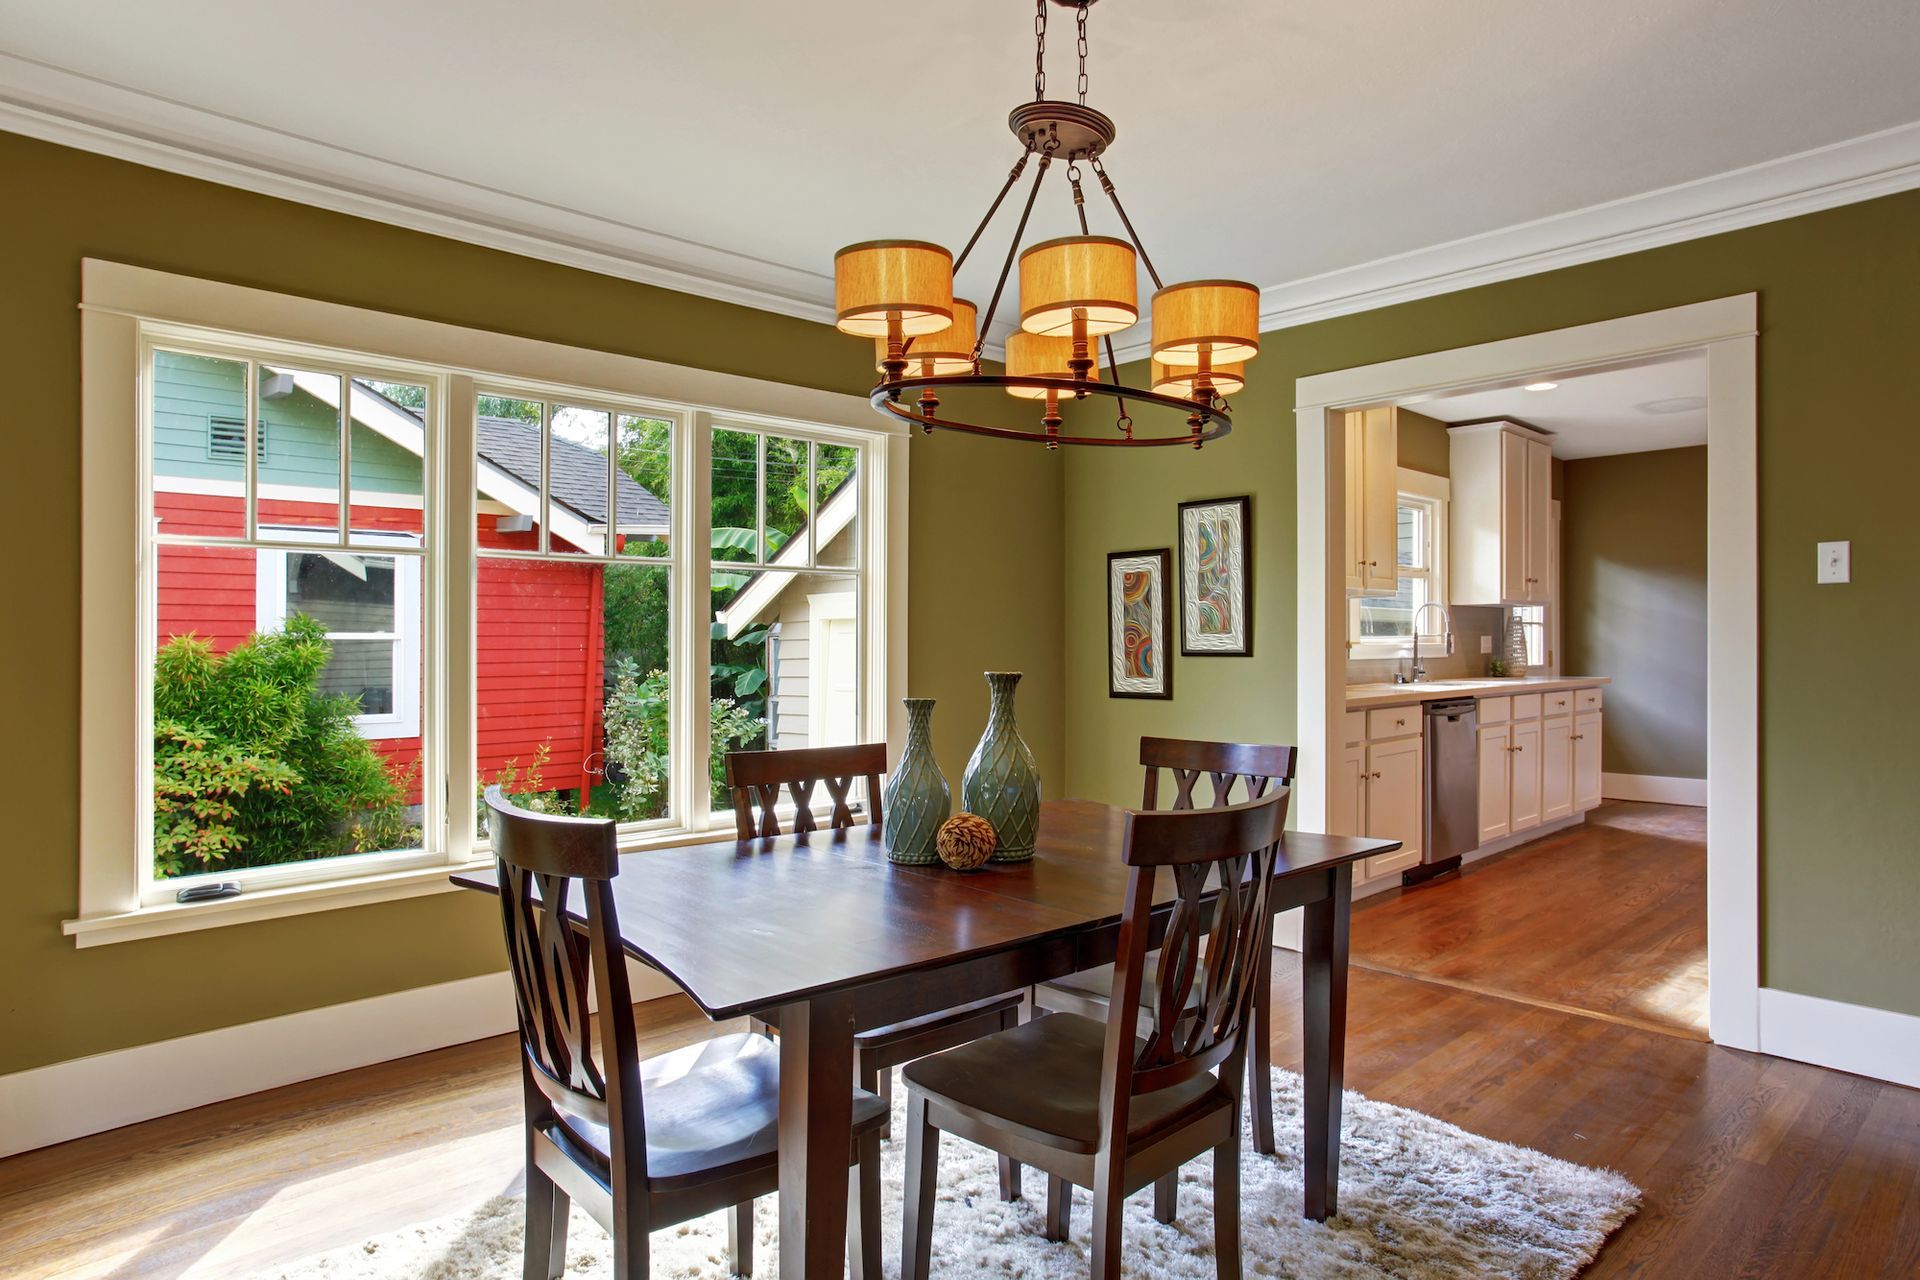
column 1324, row 1013
column 816, row 1136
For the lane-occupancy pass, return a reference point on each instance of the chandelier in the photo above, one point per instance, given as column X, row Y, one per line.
column 1074, row 292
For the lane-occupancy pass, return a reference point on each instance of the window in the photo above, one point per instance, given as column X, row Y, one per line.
column 397, row 581
column 1382, row 627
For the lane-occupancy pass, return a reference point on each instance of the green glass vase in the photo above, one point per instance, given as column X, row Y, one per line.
column 917, row 799
column 1001, row 783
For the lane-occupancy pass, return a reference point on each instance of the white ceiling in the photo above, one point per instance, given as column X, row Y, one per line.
column 1284, row 143
column 1591, row 415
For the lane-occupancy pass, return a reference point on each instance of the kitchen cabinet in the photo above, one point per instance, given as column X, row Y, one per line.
column 1524, row 785
column 1379, row 790
column 1500, row 542
column 1556, row 767
column 1586, row 760
column 1373, row 500
column 1496, row 774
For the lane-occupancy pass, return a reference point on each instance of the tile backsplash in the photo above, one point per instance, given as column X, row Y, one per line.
column 1470, row 622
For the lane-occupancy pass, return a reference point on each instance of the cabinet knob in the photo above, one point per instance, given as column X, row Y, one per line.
column 1374, row 774
column 1576, row 737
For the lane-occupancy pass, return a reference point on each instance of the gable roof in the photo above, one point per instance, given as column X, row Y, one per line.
column 579, row 473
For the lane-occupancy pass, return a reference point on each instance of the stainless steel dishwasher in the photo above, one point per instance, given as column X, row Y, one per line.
column 1451, row 824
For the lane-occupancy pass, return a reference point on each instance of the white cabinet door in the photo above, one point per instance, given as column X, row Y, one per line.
column 1356, row 504
column 1380, row 527
column 1525, row 810
column 1556, row 768
column 1539, row 537
column 1586, row 760
column 1496, row 771
column 1349, row 814
column 1513, row 517
column 1394, row 781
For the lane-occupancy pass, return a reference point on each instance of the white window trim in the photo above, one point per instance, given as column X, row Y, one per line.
column 123, row 306
column 1439, row 491
column 270, row 600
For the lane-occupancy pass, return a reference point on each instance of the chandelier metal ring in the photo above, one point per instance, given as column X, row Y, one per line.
column 1216, row 418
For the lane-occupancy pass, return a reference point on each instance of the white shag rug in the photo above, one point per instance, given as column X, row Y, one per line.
column 1419, row 1200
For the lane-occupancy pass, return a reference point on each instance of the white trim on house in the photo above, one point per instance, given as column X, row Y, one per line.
column 1654, row 789
column 1725, row 328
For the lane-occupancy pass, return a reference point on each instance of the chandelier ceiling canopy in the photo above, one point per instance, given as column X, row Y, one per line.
column 1075, row 292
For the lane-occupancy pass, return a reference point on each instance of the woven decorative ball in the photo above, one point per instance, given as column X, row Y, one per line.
column 966, row 841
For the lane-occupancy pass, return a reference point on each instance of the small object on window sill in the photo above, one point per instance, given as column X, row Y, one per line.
column 208, row 892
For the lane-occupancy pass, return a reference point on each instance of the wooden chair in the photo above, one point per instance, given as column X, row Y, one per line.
column 1255, row 769
column 756, row 779
column 641, row 1144
column 1095, row 1104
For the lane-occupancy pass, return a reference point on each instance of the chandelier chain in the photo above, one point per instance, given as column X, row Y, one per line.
column 1040, row 51
column 1081, row 22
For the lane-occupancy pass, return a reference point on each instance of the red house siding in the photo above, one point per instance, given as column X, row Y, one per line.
column 539, row 655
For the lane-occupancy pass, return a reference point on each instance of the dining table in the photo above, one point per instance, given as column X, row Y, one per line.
column 821, row 935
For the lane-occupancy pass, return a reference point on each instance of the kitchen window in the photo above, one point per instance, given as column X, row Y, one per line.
column 1382, row 626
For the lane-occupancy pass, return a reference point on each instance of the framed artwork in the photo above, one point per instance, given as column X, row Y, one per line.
column 1139, row 624
column 1216, row 579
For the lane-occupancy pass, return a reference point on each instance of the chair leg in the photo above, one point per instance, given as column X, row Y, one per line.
column 1166, row 1197
column 1226, row 1206
column 759, row 1028
column 922, row 1176
column 1109, row 1214
column 547, row 1208
column 740, row 1239
column 1010, row 1189
column 1260, row 1062
column 1059, row 1207
column 632, row 1258
column 876, row 1080
column 863, row 1212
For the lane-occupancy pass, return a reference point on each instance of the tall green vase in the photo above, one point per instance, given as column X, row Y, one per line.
column 1002, row 784
column 917, row 799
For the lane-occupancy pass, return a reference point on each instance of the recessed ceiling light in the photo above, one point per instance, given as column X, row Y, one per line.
column 1540, row 386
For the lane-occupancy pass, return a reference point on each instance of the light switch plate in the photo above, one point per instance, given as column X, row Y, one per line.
column 1486, row 644
column 1836, row 562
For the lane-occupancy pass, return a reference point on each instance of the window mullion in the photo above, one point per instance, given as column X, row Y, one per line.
column 691, row 709
column 451, row 737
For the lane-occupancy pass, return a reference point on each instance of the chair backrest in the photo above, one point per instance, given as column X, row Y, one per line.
column 1235, row 848
column 1256, row 767
column 756, row 777
column 540, row 858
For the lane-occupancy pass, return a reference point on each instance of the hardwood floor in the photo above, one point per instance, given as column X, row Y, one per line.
column 1752, row 1166
column 1609, row 918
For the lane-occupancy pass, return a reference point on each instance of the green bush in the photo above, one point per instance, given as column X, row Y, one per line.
column 636, row 742
column 254, row 766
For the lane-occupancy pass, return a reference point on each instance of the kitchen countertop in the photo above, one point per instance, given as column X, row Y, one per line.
column 1360, row 696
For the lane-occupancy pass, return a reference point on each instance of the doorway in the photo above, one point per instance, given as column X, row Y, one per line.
column 1721, row 336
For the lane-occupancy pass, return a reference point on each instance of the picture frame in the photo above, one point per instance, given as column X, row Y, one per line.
column 1216, row 578
column 1140, row 624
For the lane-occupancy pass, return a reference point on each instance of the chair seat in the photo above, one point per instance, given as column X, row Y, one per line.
column 1095, row 987
column 879, row 1037
column 1042, row 1079
column 710, row 1108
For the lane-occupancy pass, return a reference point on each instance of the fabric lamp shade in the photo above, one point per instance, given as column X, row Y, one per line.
column 1220, row 318
column 880, row 281
column 947, row 352
column 1040, row 355
column 1091, row 274
column 1181, row 379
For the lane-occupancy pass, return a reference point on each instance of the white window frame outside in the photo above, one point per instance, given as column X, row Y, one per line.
column 270, row 601
column 125, row 310
column 1435, row 493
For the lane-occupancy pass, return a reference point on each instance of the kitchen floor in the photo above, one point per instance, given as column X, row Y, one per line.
column 1608, row 919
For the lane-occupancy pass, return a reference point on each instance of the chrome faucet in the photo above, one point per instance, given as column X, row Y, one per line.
column 1416, row 672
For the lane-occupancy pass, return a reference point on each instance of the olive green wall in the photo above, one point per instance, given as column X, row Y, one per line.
column 1839, row 446
column 1633, row 596
column 1422, row 443
column 976, row 508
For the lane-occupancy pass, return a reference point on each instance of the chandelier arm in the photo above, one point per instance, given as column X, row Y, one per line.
column 1006, row 268
column 1106, row 184
column 1014, row 176
column 1123, row 420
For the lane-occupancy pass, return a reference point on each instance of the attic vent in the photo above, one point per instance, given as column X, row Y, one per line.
column 227, row 439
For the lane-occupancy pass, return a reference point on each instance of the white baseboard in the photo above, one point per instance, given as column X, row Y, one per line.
column 1654, row 790
column 1846, row 1037
column 66, row 1100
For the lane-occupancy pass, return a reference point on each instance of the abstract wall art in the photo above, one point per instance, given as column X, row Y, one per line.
column 1216, row 579
column 1139, row 624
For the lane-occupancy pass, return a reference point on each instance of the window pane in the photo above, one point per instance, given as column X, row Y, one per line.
column 578, row 475
column 343, row 591
column 388, row 442
column 1391, row 617
column 836, row 491
column 508, row 474
column 736, row 510
column 299, row 476
column 644, row 487
column 199, row 445
column 255, row 762
column 787, row 665
column 1412, row 536
column 635, row 716
column 787, row 499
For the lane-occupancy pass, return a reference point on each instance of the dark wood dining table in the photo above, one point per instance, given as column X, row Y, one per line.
column 822, row 936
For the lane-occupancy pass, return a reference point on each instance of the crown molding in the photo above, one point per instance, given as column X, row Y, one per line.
column 61, row 106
